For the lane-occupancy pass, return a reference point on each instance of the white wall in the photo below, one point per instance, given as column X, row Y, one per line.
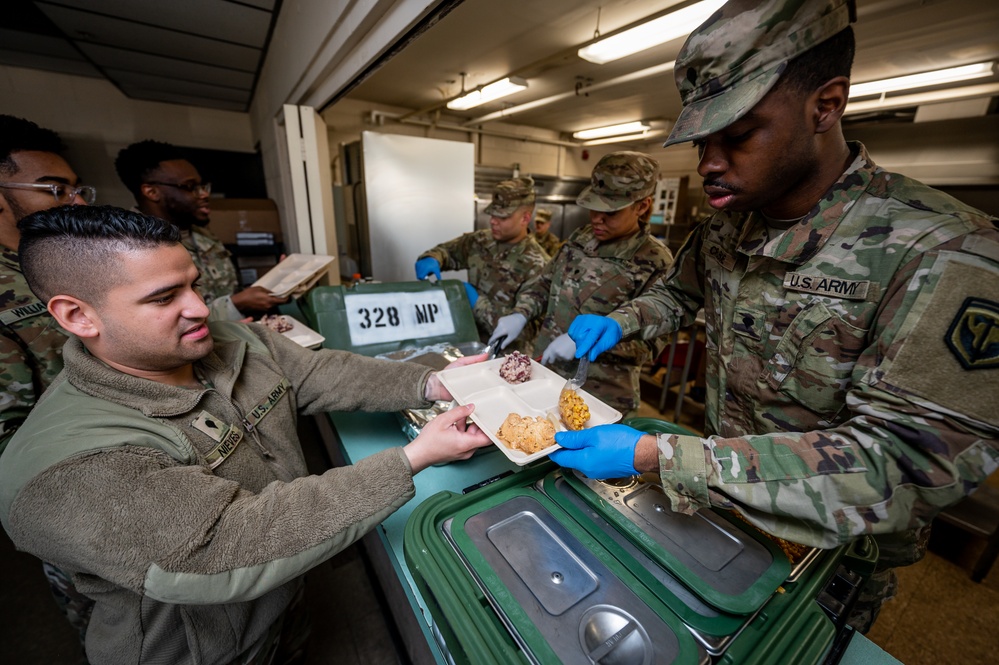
column 318, row 47
column 96, row 121
column 538, row 151
column 940, row 153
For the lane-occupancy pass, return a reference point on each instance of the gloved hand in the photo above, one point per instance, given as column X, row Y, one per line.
column 594, row 334
column 604, row 451
column 426, row 266
column 473, row 295
column 561, row 348
column 510, row 325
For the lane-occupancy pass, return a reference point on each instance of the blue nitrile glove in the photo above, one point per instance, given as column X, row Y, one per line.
column 604, row 451
column 473, row 295
column 561, row 348
column 510, row 325
column 594, row 334
column 426, row 266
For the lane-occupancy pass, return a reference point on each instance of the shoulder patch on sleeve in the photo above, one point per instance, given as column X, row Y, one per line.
column 950, row 356
column 973, row 336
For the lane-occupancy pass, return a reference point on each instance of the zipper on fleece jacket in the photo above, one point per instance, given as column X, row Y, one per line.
column 249, row 426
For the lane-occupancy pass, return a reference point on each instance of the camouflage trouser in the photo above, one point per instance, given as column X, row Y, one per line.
column 287, row 639
column 894, row 550
column 75, row 606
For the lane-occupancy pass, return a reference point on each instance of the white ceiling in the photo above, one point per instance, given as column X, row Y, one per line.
column 538, row 40
column 195, row 52
column 209, row 52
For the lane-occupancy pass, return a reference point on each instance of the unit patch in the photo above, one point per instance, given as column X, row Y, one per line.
column 849, row 289
column 973, row 336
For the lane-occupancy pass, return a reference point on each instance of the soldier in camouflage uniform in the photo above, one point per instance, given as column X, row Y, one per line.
column 851, row 313
column 601, row 266
column 542, row 233
column 166, row 185
column 33, row 177
column 499, row 260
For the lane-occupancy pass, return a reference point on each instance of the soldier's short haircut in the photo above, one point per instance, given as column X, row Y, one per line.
column 74, row 250
column 135, row 163
column 18, row 135
column 817, row 65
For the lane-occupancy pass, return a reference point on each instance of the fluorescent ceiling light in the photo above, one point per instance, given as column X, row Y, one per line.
column 937, row 77
column 626, row 138
column 493, row 91
column 956, row 93
column 603, row 85
column 657, row 31
column 612, row 130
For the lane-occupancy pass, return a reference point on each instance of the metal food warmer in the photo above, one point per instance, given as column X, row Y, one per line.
column 547, row 566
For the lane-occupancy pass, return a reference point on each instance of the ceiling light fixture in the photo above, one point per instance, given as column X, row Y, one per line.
column 603, row 85
column 636, row 127
column 954, row 94
column 913, row 81
column 488, row 93
column 659, row 30
column 626, row 138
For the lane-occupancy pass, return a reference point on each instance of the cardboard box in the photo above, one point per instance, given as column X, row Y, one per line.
column 230, row 216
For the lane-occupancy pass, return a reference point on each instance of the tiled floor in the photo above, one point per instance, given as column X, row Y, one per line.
column 940, row 615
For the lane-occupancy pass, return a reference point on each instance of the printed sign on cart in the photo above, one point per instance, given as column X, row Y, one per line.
column 374, row 318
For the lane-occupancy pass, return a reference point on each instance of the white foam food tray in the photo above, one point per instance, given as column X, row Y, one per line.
column 495, row 399
column 302, row 334
column 297, row 272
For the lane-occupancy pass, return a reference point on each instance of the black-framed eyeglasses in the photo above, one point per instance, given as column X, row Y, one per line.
column 189, row 187
column 61, row 193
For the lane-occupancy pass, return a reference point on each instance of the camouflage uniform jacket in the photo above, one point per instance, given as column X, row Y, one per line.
column 549, row 242
column 852, row 360
column 189, row 515
column 498, row 272
column 591, row 277
column 218, row 274
column 31, row 346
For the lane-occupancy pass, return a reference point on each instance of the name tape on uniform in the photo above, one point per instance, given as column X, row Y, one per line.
column 26, row 311
column 836, row 287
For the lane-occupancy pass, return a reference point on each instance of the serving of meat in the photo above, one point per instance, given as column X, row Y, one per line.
column 516, row 368
column 276, row 322
column 528, row 433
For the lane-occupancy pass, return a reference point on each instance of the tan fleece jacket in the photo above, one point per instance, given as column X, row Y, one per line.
column 110, row 478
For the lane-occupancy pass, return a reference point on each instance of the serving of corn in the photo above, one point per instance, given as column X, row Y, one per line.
column 573, row 409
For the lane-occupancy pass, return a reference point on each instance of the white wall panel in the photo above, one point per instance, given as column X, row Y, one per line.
column 419, row 192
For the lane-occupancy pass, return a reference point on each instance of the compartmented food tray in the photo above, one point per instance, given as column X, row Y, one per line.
column 295, row 274
column 301, row 334
column 495, row 399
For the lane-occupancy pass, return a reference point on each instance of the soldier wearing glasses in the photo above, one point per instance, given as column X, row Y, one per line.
column 33, row 177
column 166, row 185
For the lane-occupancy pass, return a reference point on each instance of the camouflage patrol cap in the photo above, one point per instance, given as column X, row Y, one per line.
column 510, row 195
column 733, row 59
column 618, row 180
column 543, row 215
